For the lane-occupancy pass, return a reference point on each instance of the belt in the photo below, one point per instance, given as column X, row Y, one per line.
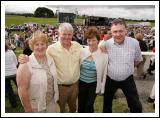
column 66, row 85
column 131, row 76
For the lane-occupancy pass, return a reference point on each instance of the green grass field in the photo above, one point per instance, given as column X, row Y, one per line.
column 20, row 20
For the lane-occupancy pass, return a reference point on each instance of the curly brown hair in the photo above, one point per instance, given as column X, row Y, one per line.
column 91, row 33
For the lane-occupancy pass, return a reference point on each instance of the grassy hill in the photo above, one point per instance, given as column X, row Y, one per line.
column 19, row 20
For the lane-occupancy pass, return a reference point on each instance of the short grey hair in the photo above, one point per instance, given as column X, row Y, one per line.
column 65, row 27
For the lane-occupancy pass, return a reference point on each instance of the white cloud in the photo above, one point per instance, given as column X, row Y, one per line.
column 22, row 8
column 113, row 11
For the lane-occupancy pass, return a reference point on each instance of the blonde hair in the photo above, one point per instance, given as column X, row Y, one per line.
column 37, row 36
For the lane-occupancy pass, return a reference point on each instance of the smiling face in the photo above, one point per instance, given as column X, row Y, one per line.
column 65, row 34
column 39, row 48
column 118, row 33
column 92, row 43
column 66, row 37
column 38, row 43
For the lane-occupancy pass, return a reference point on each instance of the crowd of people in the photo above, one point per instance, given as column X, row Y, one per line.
column 75, row 66
column 18, row 40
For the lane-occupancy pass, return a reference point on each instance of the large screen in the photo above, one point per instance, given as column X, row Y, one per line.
column 66, row 17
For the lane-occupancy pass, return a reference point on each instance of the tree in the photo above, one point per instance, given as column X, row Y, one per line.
column 43, row 12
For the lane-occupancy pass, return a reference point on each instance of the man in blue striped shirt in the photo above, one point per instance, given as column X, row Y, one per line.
column 124, row 54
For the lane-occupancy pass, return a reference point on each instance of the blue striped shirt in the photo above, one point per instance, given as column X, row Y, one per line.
column 121, row 58
column 88, row 72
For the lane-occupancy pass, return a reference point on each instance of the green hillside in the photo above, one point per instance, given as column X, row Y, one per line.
column 19, row 20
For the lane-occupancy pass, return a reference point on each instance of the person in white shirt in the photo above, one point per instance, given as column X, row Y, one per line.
column 123, row 54
column 10, row 74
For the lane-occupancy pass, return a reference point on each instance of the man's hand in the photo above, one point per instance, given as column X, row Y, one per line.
column 103, row 49
column 102, row 46
column 23, row 59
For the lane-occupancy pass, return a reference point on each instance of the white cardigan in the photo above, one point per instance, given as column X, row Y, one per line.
column 38, row 83
column 101, row 61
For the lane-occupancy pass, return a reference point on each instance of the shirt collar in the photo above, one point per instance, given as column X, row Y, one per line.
column 59, row 43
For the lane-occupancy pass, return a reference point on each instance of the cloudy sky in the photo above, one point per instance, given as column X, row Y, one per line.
column 113, row 11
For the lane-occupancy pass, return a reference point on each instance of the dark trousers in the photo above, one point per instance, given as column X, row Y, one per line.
column 129, row 89
column 151, row 67
column 9, row 90
column 86, row 97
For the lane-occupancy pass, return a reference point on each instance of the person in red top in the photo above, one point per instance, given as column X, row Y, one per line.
column 153, row 50
column 101, row 35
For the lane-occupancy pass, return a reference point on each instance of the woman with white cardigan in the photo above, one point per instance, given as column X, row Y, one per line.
column 37, row 79
column 93, row 71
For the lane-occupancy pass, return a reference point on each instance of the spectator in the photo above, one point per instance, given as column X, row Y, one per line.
column 37, row 79
column 10, row 45
column 66, row 54
column 92, row 72
column 16, row 36
column 123, row 54
column 10, row 74
column 107, row 35
column 27, row 49
column 101, row 35
column 152, row 63
column 151, row 97
column 143, row 47
column 79, row 38
column 131, row 34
